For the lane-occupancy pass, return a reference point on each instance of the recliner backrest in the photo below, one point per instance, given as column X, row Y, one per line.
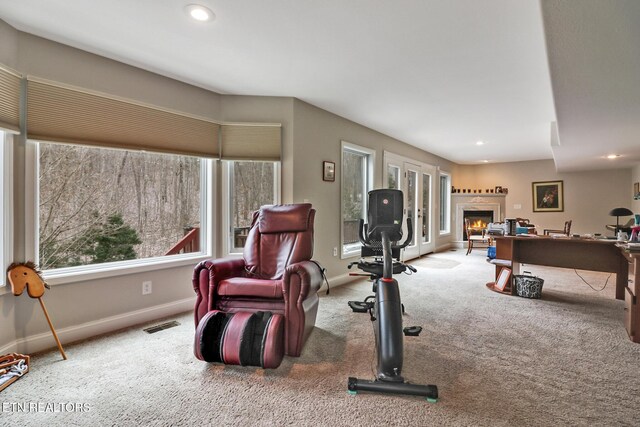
column 280, row 235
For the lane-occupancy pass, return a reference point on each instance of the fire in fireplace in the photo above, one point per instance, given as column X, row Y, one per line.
column 478, row 220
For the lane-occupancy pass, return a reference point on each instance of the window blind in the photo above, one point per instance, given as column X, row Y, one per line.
column 72, row 115
column 251, row 142
column 9, row 100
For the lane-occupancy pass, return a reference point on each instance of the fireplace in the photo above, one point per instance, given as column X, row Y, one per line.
column 472, row 203
column 478, row 219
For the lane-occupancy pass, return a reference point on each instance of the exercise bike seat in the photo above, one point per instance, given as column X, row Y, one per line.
column 375, row 267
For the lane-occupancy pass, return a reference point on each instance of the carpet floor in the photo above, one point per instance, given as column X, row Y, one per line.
column 498, row 360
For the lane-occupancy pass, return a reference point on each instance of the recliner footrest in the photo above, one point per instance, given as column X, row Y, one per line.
column 209, row 335
column 243, row 338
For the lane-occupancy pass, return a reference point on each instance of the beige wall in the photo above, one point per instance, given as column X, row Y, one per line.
column 317, row 137
column 8, row 45
column 54, row 61
column 589, row 196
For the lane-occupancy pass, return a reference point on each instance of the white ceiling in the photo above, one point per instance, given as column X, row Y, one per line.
column 594, row 56
column 437, row 74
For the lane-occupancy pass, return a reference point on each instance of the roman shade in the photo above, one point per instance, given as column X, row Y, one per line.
column 251, row 142
column 66, row 114
column 9, row 100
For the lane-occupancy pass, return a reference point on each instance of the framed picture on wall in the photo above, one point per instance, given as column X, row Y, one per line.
column 328, row 171
column 548, row 196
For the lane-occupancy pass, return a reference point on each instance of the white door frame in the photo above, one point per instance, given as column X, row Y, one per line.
column 429, row 245
column 406, row 166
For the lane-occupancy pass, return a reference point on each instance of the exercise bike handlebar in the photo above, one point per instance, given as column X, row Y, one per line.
column 361, row 233
column 409, row 236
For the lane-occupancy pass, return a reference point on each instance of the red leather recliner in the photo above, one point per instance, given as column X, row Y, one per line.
column 275, row 273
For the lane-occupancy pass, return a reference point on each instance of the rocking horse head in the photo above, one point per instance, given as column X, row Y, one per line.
column 26, row 274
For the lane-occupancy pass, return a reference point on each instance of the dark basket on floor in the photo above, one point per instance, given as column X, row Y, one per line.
column 527, row 285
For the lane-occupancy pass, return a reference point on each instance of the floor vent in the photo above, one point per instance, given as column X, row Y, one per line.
column 161, row 327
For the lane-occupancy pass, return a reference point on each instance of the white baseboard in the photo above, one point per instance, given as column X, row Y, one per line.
column 336, row 281
column 343, row 279
column 70, row 334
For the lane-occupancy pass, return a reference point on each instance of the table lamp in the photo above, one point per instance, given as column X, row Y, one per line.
column 618, row 212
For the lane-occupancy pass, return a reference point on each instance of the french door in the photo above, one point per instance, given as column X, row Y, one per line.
column 416, row 180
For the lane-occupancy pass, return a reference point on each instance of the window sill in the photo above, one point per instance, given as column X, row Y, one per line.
column 100, row 271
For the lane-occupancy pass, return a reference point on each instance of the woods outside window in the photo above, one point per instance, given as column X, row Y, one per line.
column 356, row 182
column 4, row 206
column 248, row 186
column 99, row 205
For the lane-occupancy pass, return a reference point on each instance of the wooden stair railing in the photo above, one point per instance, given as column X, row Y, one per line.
column 189, row 243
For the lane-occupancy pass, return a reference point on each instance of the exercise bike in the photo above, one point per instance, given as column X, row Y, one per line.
column 380, row 239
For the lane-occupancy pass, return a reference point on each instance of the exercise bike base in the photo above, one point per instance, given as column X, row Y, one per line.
column 428, row 391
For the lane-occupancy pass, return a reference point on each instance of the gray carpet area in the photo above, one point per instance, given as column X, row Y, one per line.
column 497, row 360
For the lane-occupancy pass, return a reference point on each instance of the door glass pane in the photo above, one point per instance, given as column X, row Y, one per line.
column 411, row 197
column 444, row 204
column 426, row 209
column 393, row 177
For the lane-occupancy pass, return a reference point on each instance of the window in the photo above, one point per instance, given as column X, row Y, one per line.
column 357, row 181
column 100, row 205
column 445, row 203
column 249, row 186
column 5, row 170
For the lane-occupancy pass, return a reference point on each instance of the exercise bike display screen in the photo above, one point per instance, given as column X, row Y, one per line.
column 385, row 214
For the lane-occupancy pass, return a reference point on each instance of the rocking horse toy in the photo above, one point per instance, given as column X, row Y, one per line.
column 26, row 274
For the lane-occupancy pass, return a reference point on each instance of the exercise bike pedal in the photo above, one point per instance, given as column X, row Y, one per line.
column 360, row 306
column 412, row 331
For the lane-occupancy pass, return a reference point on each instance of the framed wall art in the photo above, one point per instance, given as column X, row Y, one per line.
column 328, row 171
column 548, row 196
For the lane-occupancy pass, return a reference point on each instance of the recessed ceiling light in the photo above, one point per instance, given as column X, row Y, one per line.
column 200, row 13
column 613, row 156
column 480, row 143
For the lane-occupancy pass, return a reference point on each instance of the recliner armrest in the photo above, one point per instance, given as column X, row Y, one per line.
column 300, row 286
column 310, row 279
column 204, row 285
